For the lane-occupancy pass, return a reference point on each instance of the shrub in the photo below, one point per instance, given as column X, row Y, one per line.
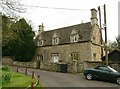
column 6, row 78
column 6, row 68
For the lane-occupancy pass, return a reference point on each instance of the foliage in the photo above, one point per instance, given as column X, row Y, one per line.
column 12, row 79
column 112, row 46
column 7, row 35
column 0, row 78
column 115, row 45
column 118, row 41
column 17, row 39
column 6, row 78
column 5, row 68
column 25, row 44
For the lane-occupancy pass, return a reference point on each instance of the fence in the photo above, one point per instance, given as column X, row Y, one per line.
column 26, row 72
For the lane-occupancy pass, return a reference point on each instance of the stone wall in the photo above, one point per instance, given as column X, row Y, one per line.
column 73, row 67
column 115, row 65
column 49, row 67
column 84, row 50
column 64, row 51
column 25, row 64
column 88, row 64
column 9, row 61
column 96, row 52
column 95, row 36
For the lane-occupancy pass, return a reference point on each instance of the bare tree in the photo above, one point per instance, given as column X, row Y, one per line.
column 11, row 6
column 115, row 45
column 118, row 41
column 112, row 45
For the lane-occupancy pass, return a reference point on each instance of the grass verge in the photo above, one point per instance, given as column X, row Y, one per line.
column 17, row 80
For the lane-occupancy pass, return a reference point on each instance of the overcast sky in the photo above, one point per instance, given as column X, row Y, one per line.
column 57, row 18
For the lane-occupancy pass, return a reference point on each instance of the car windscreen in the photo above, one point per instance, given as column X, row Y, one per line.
column 112, row 69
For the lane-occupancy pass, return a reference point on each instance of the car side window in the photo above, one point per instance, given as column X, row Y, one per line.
column 103, row 68
column 96, row 67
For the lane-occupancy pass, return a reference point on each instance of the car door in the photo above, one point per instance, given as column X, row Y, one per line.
column 98, row 73
column 104, row 73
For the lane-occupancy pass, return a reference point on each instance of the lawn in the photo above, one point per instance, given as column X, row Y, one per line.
column 13, row 79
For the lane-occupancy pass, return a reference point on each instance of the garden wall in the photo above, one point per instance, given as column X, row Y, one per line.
column 73, row 67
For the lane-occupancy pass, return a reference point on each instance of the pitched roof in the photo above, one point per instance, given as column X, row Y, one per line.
column 83, row 30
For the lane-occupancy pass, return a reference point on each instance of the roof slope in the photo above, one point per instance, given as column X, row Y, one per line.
column 83, row 30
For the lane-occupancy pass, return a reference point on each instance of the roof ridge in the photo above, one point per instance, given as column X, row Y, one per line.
column 67, row 27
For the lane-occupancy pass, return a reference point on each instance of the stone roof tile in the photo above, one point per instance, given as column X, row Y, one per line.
column 83, row 30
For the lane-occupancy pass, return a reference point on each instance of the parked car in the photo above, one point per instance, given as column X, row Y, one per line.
column 102, row 72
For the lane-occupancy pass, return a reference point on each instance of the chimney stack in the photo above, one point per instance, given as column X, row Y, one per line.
column 41, row 29
column 94, row 19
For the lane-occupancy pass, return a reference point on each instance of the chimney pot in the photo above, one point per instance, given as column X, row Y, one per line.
column 41, row 29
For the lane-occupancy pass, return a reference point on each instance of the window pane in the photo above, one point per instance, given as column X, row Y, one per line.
column 55, row 58
column 74, row 56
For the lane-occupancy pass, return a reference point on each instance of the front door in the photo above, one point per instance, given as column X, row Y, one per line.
column 39, row 60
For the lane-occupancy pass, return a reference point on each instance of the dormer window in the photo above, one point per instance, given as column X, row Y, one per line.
column 40, row 43
column 55, row 41
column 74, row 38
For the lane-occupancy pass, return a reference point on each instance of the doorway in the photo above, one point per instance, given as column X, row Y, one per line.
column 39, row 60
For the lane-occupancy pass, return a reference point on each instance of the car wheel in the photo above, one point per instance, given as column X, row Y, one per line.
column 118, row 80
column 89, row 76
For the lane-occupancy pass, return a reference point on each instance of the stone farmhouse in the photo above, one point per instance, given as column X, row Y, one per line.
column 72, row 45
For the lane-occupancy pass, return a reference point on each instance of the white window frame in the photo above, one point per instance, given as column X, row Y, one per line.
column 40, row 57
column 71, row 39
column 40, row 42
column 55, row 40
column 74, row 38
column 55, row 58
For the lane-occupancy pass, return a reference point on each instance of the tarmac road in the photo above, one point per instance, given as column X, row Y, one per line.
column 55, row 79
